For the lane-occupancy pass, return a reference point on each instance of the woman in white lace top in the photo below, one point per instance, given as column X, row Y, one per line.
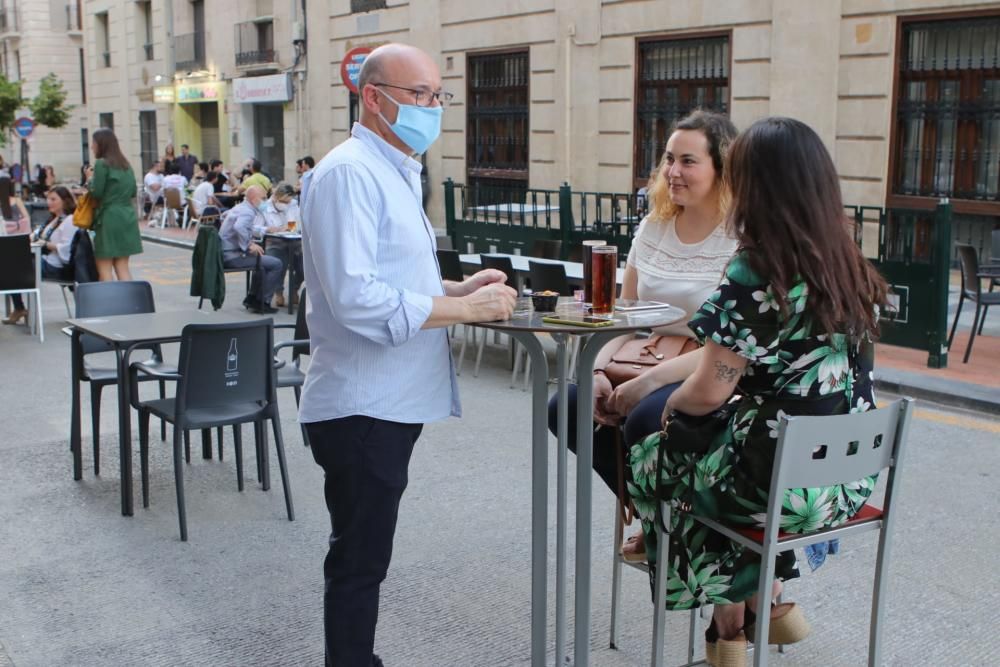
column 678, row 256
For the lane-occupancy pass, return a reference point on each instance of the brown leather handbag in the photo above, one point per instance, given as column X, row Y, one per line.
column 639, row 355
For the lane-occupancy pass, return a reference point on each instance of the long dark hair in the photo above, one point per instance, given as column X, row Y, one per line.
column 69, row 204
column 6, row 192
column 788, row 216
column 109, row 150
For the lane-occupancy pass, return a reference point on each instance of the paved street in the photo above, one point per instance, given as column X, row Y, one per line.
column 82, row 585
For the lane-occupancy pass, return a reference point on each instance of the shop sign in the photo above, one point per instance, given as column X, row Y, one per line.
column 200, row 92
column 163, row 94
column 272, row 88
column 350, row 67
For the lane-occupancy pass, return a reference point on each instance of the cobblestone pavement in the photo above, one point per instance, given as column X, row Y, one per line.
column 82, row 585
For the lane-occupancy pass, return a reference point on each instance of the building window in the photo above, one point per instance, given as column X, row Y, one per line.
column 65, row 16
column 84, row 149
column 255, row 42
column 147, row 139
column 497, row 126
column 102, row 38
column 366, row 5
column 83, row 78
column 106, row 120
column 947, row 138
column 144, row 28
column 675, row 77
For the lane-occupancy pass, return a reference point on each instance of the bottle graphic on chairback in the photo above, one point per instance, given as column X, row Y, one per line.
column 232, row 357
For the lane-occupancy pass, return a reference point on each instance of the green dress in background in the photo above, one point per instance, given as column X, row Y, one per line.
column 116, row 227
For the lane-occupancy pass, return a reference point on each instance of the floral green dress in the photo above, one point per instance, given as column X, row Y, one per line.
column 792, row 370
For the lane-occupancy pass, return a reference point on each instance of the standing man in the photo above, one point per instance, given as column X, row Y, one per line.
column 186, row 162
column 381, row 362
column 302, row 167
column 240, row 251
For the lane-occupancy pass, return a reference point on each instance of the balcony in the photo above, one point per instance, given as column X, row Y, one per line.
column 189, row 51
column 8, row 19
column 255, row 43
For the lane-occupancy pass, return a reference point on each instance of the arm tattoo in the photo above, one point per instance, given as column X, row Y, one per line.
column 724, row 373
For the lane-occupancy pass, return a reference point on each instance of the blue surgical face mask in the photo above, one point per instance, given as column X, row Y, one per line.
column 262, row 207
column 417, row 127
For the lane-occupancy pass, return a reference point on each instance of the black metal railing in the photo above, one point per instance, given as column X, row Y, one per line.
column 255, row 43
column 189, row 51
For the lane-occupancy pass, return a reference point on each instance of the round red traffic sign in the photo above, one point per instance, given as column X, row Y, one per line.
column 350, row 67
column 24, row 126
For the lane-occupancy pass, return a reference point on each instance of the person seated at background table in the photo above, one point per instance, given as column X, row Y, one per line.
column 216, row 167
column 15, row 214
column 203, row 198
column 281, row 214
column 789, row 330
column 678, row 255
column 173, row 179
column 55, row 239
column 240, row 251
column 255, row 178
column 152, row 187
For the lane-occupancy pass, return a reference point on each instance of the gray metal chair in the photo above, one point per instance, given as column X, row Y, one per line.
column 290, row 374
column 811, row 452
column 225, row 377
column 972, row 290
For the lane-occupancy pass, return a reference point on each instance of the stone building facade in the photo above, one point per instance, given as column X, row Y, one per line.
column 38, row 38
column 594, row 84
column 224, row 78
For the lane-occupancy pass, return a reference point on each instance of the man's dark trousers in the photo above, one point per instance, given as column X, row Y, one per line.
column 365, row 461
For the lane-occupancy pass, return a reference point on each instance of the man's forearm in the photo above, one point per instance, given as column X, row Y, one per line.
column 448, row 310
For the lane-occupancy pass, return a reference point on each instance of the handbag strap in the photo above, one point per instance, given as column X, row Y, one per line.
column 625, row 507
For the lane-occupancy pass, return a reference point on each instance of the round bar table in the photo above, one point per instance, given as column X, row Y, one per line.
column 524, row 327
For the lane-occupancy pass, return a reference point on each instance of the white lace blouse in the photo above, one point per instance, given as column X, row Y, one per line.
column 678, row 273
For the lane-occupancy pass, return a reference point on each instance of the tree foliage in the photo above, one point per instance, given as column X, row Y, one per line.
column 49, row 106
column 10, row 102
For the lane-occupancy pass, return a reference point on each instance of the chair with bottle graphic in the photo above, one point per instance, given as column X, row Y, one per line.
column 225, row 377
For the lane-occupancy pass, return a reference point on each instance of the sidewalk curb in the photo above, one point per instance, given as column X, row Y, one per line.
column 951, row 393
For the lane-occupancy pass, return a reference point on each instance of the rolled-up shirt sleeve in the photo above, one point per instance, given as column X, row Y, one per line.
column 343, row 214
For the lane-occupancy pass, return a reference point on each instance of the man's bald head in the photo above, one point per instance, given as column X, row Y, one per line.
column 255, row 194
column 385, row 62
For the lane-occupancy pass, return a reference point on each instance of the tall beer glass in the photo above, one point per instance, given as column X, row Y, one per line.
column 604, row 272
column 587, row 286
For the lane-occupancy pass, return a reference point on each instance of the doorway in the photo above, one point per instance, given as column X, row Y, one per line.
column 269, row 139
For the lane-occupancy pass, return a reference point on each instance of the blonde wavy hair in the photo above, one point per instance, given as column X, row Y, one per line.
column 720, row 133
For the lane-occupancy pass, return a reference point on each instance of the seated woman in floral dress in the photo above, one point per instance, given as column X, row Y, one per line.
column 789, row 330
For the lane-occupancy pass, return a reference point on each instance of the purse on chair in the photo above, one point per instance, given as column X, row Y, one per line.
column 83, row 216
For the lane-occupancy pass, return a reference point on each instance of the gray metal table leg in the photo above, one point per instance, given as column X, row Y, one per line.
column 590, row 346
column 562, row 432
column 539, row 494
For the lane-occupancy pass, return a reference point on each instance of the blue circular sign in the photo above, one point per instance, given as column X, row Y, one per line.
column 24, row 126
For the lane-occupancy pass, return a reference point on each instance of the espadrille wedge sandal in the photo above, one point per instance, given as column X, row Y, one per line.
column 788, row 624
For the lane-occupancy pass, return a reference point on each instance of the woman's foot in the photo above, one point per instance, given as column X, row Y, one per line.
column 634, row 549
column 16, row 316
column 788, row 624
column 279, row 300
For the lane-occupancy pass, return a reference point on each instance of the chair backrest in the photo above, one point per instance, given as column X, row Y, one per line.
column 225, row 364
column 819, row 451
column 547, row 249
column 969, row 261
column 119, row 297
column 501, row 264
column 172, row 198
column 548, row 276
column 444, row 243
column 451, row 265
column 17, row 270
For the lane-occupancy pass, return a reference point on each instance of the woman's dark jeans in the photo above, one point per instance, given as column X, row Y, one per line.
column 644, row 419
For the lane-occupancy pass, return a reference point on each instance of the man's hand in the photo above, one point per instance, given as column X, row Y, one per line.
column 628, row 394
column 254, row 249
column 479, row 279
column 491, row 302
